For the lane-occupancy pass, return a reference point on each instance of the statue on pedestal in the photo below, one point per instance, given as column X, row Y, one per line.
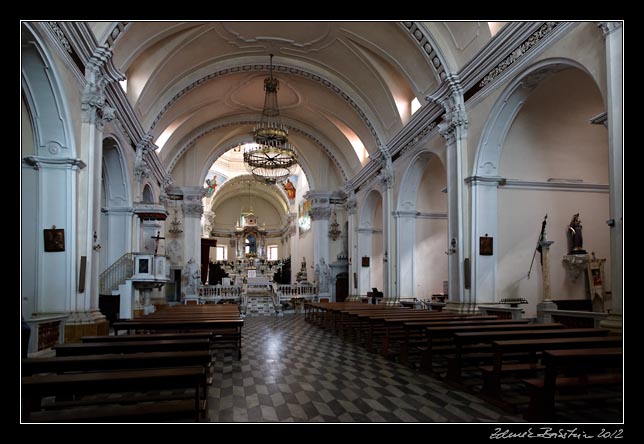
column 576, row 239
column 191, row 277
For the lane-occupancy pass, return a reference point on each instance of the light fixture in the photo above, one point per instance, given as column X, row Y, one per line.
column 334, row 230
column 176, row 225
column 271, row 158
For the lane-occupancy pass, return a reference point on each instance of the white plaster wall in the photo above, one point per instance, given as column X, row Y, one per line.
column 431, row 260
column 29, row 239
column 551, row 136
column 27, row 147
column 431, row 234
column 520, row 216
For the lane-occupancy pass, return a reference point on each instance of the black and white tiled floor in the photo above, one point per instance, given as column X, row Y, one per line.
column 292, row 371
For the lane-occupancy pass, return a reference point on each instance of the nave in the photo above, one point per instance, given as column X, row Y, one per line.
column 292, row 371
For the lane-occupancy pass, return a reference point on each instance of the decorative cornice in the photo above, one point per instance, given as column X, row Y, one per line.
column 600, row 119
column 418, row 215
column 369, row 230
column 117, row 210
column 60, row 36
column 36, row 162
column 421, row 37
column 552, row 186
column 278, row 68
column 484, row 180
column 518, row 53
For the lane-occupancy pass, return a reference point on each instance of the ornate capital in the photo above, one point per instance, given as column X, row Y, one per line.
column 608, row 27
column 99, row 71
column 141, row 167
column 320, row 213
column 386, row 175
column 351, row 205
column 192, row 209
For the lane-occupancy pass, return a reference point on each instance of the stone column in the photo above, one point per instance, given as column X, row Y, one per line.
column 99, row 72
column 546, row 303
column 613, row 35
column 454, row 131
column 386, row 178
column 320, row 213
column 352, row 243
column 192, row 210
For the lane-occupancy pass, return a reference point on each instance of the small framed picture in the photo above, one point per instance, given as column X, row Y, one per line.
column 486, row 246
column 54, row 239
column 365, row 261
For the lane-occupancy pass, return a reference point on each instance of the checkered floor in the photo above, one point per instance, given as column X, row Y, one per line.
column 292, row 371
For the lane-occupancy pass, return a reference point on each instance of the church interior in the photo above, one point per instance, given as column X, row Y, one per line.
column 327, row 222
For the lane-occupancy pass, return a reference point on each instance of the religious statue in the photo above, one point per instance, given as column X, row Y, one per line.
column 192, row 275
column 211, row 185
column 290, row 189
column 576, row 239
column 324, row 276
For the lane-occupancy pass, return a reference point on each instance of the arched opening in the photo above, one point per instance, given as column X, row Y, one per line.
column 371, row 244
column 116, row 215
column 422, row 228
column 547, row 159
column 48, row 183
column 148, row 194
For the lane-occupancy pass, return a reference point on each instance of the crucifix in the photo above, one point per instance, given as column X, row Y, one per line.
column 157, row 238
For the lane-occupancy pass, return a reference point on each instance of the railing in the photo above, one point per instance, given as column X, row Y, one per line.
column 116, row 274
column 216, row 293
column 286, row 292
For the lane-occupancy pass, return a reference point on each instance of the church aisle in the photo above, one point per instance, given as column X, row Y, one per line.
column 294, row 372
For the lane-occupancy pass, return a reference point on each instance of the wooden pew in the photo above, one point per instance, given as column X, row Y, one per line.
column 148, row 337
column 447, row 334
column 493, row 374
column 580, row 361
column 98, row 348
column 34, row 388
column 226, row 331
column 461, row 340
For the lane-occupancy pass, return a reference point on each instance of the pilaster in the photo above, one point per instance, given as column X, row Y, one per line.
column 613, row 36
column 454, row 131
column 95, row 113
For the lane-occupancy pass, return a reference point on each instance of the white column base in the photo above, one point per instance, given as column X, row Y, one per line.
column 613, row 323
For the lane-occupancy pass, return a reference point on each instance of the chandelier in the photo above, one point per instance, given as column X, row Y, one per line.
column 176, row 225
column 271, row 158
column 334, row 229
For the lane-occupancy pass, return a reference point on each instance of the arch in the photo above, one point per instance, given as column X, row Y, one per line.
column 371, row 243
column 419, row 233
column 506, row 108
column 48, row 182
column 492, row 280
column 43, row 90
column 116, row 213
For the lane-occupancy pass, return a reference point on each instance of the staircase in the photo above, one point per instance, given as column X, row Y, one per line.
column 116, row 274
column 115, row 281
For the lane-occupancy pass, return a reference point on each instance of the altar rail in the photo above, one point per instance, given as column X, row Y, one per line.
column 216, row 293
column 286, row 292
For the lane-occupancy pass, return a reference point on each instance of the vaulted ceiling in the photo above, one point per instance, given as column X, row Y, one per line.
column 341, row 84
